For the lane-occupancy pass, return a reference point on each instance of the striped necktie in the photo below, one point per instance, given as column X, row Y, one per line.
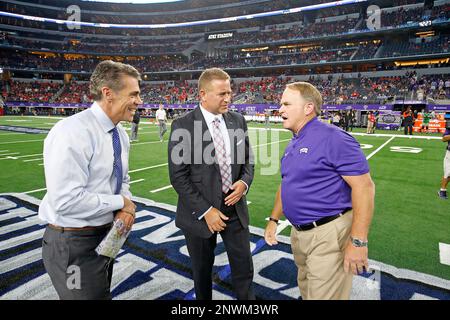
column 117, row 167
column 221, row 155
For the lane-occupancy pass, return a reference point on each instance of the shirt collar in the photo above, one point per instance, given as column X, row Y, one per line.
column 209, row 117
column 305, row 127
column 105, row 122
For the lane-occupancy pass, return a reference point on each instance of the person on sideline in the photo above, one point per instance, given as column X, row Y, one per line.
column 446, row 178
column 86, row 174
column 212, row 179
column 161, row 118
column 370, row 122
column 408, row 121
column 327, row 195
column 135, row 126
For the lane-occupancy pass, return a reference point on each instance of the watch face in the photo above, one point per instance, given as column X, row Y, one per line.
column 358, row 243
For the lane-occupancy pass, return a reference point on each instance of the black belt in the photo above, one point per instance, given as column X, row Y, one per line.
column 322, row 221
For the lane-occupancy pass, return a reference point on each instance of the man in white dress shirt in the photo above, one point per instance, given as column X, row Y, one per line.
column 86, row 173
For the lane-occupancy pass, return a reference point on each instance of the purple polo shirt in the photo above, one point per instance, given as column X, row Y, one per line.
column 311, row 170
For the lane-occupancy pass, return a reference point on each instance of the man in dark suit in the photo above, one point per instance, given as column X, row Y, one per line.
column 211, row 169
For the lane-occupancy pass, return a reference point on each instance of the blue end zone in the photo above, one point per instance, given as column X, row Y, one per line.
column 154, row 263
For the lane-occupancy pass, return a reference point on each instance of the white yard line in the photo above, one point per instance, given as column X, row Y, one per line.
column 147, row 168
column 11, row 133
column 376, row 135
column 30, row 160
column 444, row 253
column 269, row 143
column 33, row 191
column 29, row 155
column 8, row 155
column 149, row 142
column 161, row 189
column 17, row 157
column 24, row 141
column 43, row 117
column 136, row 181
column 379, row 148
column 147, row 132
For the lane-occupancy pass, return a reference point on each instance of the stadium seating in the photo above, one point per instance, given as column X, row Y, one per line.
column 332, row 40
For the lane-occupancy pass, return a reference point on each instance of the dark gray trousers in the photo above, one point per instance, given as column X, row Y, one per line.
column 237, row 244
column 162, row 128
column 76, row 271
column 134, row 130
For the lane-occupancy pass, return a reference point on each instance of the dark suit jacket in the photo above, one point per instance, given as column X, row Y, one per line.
column 195, row 175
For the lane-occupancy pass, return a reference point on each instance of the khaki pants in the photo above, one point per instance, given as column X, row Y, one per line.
column 319, row 256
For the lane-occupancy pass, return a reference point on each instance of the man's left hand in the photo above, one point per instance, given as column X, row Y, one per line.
column 355, row 259
column 127, row 219
column 238, row 191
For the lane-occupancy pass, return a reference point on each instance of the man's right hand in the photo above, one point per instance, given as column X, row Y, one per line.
column 270, row 234
column 215, row 220
column 128, row 206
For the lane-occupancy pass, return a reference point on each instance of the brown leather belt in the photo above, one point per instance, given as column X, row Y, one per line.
column 79, row 229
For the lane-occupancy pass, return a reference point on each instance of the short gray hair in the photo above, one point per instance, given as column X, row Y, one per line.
column 108, row 74
column 309, row 93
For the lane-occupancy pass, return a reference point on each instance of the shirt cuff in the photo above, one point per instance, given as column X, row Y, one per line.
column 246, row 186
column 201, row 217
column 112, row 201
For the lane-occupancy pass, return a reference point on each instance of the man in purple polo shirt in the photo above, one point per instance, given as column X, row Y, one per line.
column 446, row 178
column 326, row 193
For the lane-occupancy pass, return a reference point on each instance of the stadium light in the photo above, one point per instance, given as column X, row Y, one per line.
column 134, row 1
column 183, row 24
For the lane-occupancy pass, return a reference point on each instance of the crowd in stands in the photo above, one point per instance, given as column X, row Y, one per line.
column 75, row 92
column 35, row 91
column 170, row 93
column 361, row 90
column 26, row 61
column 161, row 46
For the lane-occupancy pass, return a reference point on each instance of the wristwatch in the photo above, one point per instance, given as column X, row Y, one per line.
column 274, row 220
column 358, row 242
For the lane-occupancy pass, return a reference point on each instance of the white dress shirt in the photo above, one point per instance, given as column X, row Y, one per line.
column 78, row 164
column 161, row 114
column 209, row 118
